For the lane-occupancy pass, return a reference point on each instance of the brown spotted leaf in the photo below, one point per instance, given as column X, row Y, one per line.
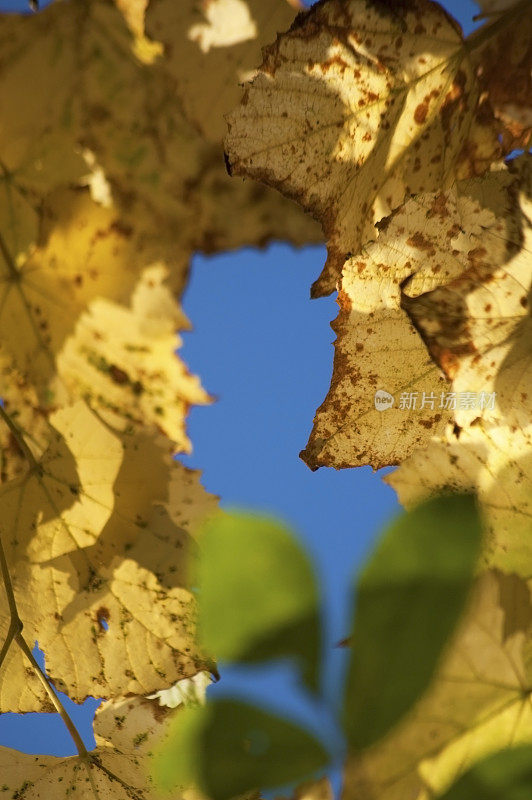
column 122, row 361
column 477, row 324
column 357, row 106
column 443, row 292
column 99, row 532
column 478, row 328
column 127, row 730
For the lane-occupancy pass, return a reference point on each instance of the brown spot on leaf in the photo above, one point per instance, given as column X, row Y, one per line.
column 420, row 114
column 418, row 241
column 118, row 375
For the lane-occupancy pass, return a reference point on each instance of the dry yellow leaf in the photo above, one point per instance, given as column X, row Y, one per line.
column 378, row 354
column 235, row 212
column 478, row 328
column 126, row 730
column 451, row 271
column 212, row 46
column 20, row 401
column 91, row 113
column 479, row 703
column 510, row 90
column 85, row 251
column 96, row 536
column 122, row 361
column 357, row 106
column 477, row 324
column 84, row 88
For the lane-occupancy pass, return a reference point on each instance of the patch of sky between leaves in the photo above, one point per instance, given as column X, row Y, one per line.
column 46, row 734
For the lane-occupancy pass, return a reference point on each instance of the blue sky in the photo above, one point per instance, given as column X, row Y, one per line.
column 265, row 350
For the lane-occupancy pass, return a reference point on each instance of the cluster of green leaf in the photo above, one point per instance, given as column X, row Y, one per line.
column 264, row 604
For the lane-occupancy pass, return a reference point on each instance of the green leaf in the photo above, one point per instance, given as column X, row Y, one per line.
column 507, row 775
column 258, row 597
column 409, row 598
column 228, row 748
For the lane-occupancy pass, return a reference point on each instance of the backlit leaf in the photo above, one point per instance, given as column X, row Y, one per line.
column 98, row 536
column 122, row 361
column 228, row 748
column 409, row 598
column 127, row 730
column 504, row 776
column 478, row 703
column 258, row 596
column 211, row 48
column 359, row 105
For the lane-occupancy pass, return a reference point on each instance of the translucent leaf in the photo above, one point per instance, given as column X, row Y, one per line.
column 86, row 90
column 211, row 48
column 228, row 748
column 510, row 89
column 504, row 776
column 99, row 533
column 478, row 702
column 258, row 594
column 359, row 105
column 409, row 598
column 476, row 322
column 495, row 461
column 127, row 729
column 122, row 361
column 443, row 291
column 86, row 251
column 477, row 327
column 186, row 692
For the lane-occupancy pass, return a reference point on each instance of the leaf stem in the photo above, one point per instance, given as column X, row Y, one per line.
column 80, row 747
column 15, row 632
column 19, row 438
column 63, row 713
